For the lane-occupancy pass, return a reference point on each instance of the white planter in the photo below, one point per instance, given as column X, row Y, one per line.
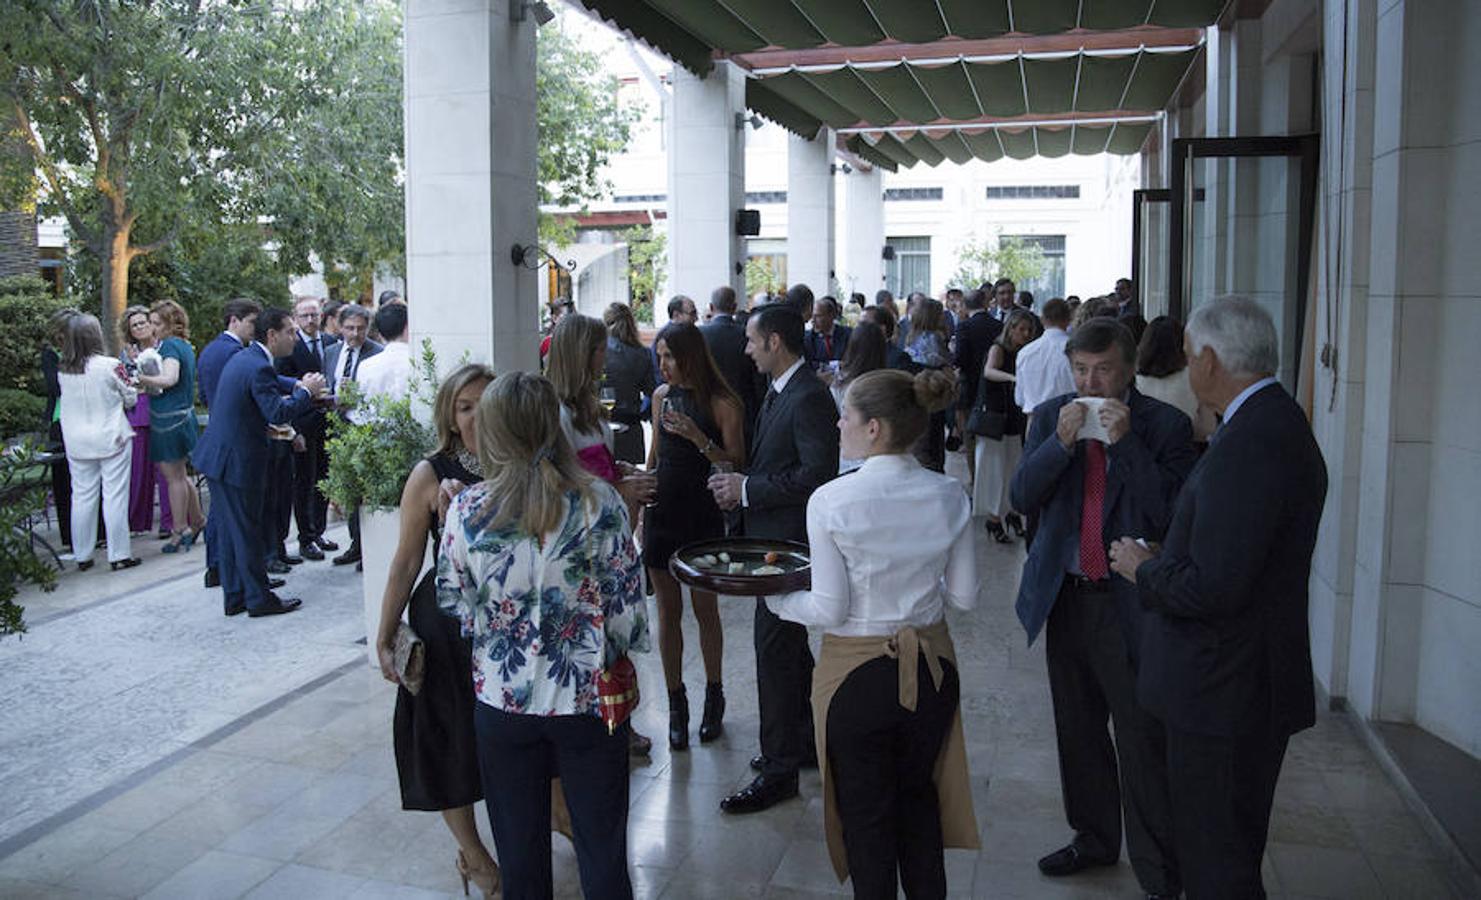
column 380, row 529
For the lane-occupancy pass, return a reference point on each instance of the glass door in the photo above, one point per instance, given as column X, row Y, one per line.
column 1240, row 218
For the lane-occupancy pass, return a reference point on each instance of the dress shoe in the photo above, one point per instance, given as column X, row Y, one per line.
column 277, row 567
column 275, row 583
column 1069, row 860
column 351, row 555
column 129, row 563
column 289, row 559
column 326, row 545
column 236, row 610
column 213, row 578
column 758, row 762
column 275, row 607
column 310, row 551
column 764, row 792
column 809, row 761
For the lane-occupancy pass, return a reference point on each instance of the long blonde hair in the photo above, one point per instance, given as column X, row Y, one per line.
column 444, row 407
column 125, row 333
column 528, row 464
column 576, row 340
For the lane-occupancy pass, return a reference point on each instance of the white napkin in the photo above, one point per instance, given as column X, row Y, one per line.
column 1092, row 429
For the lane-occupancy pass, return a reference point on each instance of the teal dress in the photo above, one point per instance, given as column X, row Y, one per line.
column 172, row 425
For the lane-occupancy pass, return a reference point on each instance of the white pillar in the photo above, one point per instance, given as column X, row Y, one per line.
column 707, row 184
column 810, row 211
column 470, row 181
column 863, row 233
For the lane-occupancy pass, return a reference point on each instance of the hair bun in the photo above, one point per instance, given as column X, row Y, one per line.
column 935, row 389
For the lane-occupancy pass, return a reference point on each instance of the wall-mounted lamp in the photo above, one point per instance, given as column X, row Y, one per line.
column 519, row 9
column 835, row 168
column 533, row 256
column 741, row 120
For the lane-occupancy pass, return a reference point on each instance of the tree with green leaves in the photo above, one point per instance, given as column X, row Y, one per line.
column 980, row 261
column 647, row 267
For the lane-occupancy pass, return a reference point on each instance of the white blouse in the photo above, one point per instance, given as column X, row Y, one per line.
column 92, row 409
column 891, row 546
column 1176, row 390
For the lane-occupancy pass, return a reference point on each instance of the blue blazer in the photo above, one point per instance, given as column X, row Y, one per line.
column 211, row 362
column 1147, row 468
column 815, row 351
column 249, row 397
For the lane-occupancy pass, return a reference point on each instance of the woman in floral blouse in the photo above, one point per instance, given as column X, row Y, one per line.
column 539, row 564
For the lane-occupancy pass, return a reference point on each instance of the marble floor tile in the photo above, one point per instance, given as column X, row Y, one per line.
column 136, row 867
column 1324, row 872
column 295, row 882
column 215, row 876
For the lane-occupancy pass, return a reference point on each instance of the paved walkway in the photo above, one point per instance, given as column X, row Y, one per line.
column 151, row 747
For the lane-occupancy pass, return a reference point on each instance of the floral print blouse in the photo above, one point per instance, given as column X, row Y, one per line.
column 546, row 614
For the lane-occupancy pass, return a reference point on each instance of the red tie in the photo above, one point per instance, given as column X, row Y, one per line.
column 1092, row 548
column 828, row 345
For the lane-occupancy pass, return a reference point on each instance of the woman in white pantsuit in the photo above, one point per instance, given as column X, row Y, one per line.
column 997, row 457
column 99, row 440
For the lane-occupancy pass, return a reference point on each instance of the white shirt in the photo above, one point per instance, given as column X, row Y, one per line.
column 777, row 385
column 891, row 547
column 1175, row 390
column 388, row 372
column 1042, row 370
column 92, row 409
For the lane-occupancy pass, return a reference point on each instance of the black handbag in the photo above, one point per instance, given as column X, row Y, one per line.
column 984, row 422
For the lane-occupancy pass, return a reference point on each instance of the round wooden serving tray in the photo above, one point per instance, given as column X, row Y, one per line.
column 749, row 552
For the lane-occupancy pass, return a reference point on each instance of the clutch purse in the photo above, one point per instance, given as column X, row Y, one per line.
column 617, row 692
column 409, row 656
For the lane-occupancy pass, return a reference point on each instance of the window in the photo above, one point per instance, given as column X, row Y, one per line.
column 766, row 197
column 892, row 194
column 1034, row 192
column 910, row 270
column 641, row 198
column 1051, row 282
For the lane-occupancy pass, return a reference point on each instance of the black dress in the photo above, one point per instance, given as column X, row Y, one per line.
column 436, row 754
column 686, row 510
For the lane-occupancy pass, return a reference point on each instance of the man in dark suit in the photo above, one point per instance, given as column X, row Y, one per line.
column 726, row 339
column 233, row 455
column 1086, row 492
column 310, row 464
column 1226, row 656
column 795, row 451
column 341, row 364
column 974, row 337
column 240, row 315
column 827, row 340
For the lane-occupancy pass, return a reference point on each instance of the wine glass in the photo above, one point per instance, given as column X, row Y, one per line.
column 608, row 398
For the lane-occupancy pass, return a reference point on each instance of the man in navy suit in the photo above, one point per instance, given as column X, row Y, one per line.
column 1226, row 656
column 1086, row 492
column 233, row 455
column 341, row 364
column 974, row 337
column 310, row 464
column 828, row 339
column 240, row 315
column 726, row 339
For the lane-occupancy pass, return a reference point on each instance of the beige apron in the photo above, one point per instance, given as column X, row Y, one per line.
column 839, row 657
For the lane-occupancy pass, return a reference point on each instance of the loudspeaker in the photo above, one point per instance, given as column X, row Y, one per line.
column 748, row 222
column 889, row 251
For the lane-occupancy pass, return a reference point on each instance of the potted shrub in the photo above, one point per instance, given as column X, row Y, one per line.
column 370, row 457
column 23, row 484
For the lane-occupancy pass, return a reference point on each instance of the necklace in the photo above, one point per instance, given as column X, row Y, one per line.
column 470, row 462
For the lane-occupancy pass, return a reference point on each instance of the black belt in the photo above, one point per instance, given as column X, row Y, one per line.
column 1081, row 583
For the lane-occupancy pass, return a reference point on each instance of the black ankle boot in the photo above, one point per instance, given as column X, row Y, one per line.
column 678, row 719
column 712, row 725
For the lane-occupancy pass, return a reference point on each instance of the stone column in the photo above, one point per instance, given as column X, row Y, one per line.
column 810, row 212
column 863, row 233
column 707, row 184
column 470, row 181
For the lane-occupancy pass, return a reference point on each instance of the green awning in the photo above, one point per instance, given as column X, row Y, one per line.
column 881, row 101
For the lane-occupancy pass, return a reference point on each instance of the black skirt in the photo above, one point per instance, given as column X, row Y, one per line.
column 436, row 753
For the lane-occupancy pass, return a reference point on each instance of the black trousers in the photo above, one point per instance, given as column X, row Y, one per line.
column 784, row 666
column 518, row 756
column 881, row 758
column 277, row 505
column 1221, row 791
column 310, row 507
column 1093, row 683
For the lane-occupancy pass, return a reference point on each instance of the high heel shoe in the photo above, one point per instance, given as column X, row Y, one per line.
column 678, row 719
column 178, row 545
column 124, row 563
column 188, row 538
column 998, row 534
column 486, row 881
column 1014, row 523
column 712, row 725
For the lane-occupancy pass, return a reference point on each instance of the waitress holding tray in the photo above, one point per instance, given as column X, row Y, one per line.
column 891, row 547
